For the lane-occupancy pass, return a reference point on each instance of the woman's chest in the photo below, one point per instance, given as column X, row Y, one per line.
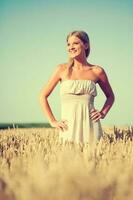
column 82, row 74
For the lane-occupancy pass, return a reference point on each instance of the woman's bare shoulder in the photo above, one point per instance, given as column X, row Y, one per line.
column 60, row 68
column 63, row 66
column 98, row 70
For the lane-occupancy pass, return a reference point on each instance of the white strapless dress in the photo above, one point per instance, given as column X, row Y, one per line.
column 77, row 100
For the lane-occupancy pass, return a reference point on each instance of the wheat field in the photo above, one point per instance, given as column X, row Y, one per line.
column 34, row 166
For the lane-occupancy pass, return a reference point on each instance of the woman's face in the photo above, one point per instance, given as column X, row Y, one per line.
column 75, row 47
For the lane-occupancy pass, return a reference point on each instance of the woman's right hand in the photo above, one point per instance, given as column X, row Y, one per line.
column 61, row 125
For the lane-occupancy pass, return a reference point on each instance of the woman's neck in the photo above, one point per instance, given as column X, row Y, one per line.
column 78, row 64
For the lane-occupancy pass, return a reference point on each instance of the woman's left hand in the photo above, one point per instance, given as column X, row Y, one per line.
column 95, row 115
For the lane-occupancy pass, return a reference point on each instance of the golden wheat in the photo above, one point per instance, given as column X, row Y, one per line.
column 34, row 166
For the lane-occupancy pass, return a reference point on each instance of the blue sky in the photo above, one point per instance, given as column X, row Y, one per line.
column 33, row 42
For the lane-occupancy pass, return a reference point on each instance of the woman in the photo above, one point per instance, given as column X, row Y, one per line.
column 80, row 121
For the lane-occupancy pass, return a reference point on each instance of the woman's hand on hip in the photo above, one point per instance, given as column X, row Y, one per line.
column 95, row 115
column 61, row 125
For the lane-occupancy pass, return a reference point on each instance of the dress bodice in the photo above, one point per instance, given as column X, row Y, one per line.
column 78, row 87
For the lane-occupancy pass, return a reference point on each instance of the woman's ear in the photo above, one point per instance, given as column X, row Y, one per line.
column 86, row 45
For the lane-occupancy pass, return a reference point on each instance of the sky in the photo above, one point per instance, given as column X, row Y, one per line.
column 33, row 42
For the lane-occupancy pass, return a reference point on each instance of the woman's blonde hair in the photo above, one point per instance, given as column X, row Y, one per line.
column 83, row 36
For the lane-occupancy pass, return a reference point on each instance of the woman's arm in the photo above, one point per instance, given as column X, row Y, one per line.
column 46, row 91
column 110, row 97
column 44, row 94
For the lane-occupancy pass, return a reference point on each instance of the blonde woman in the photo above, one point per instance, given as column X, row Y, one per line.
column 80, row 120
